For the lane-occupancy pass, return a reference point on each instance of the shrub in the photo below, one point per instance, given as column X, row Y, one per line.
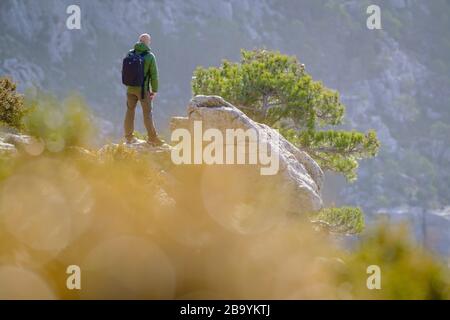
column 407, row 270
column 348, row 220
column 58, row 124
column 12, row 109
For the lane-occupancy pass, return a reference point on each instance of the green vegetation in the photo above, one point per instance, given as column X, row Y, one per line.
column 58, row 124
column 275, row 89
column 345, row 220
column 12, row 109
column 407, row 271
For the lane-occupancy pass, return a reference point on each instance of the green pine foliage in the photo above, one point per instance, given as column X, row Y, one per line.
column 345, row 220
column 275, row 89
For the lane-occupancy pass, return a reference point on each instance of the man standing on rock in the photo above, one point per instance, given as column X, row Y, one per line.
column 142, row 86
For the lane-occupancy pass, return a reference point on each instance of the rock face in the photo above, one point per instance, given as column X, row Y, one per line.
column 299, row 177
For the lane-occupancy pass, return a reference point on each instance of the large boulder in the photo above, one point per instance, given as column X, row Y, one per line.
column 299, row 178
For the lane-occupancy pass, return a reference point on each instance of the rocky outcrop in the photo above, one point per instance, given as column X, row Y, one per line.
column 140, row 146
column 12, row 143
column 299, row 176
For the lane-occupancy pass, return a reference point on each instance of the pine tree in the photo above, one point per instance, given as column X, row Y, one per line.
column 275, row 89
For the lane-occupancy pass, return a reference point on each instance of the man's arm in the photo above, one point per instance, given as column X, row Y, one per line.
column 154, row 74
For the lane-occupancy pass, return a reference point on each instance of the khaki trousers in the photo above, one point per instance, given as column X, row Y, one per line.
column 147, row 106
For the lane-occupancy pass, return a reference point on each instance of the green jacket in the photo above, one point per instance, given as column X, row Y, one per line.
column 150, row 69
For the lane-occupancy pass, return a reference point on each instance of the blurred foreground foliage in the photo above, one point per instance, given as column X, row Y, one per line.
column 407, row 270
column 59, row 124
column 138, row 229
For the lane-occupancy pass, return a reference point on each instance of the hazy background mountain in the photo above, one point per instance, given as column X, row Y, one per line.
column 395, row 80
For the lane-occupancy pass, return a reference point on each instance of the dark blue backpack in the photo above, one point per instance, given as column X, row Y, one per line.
column 133, row 73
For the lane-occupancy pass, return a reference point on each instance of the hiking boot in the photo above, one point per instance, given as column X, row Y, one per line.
column 155, row 142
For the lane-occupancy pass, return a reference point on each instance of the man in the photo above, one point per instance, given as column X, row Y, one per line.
column 134, row 94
